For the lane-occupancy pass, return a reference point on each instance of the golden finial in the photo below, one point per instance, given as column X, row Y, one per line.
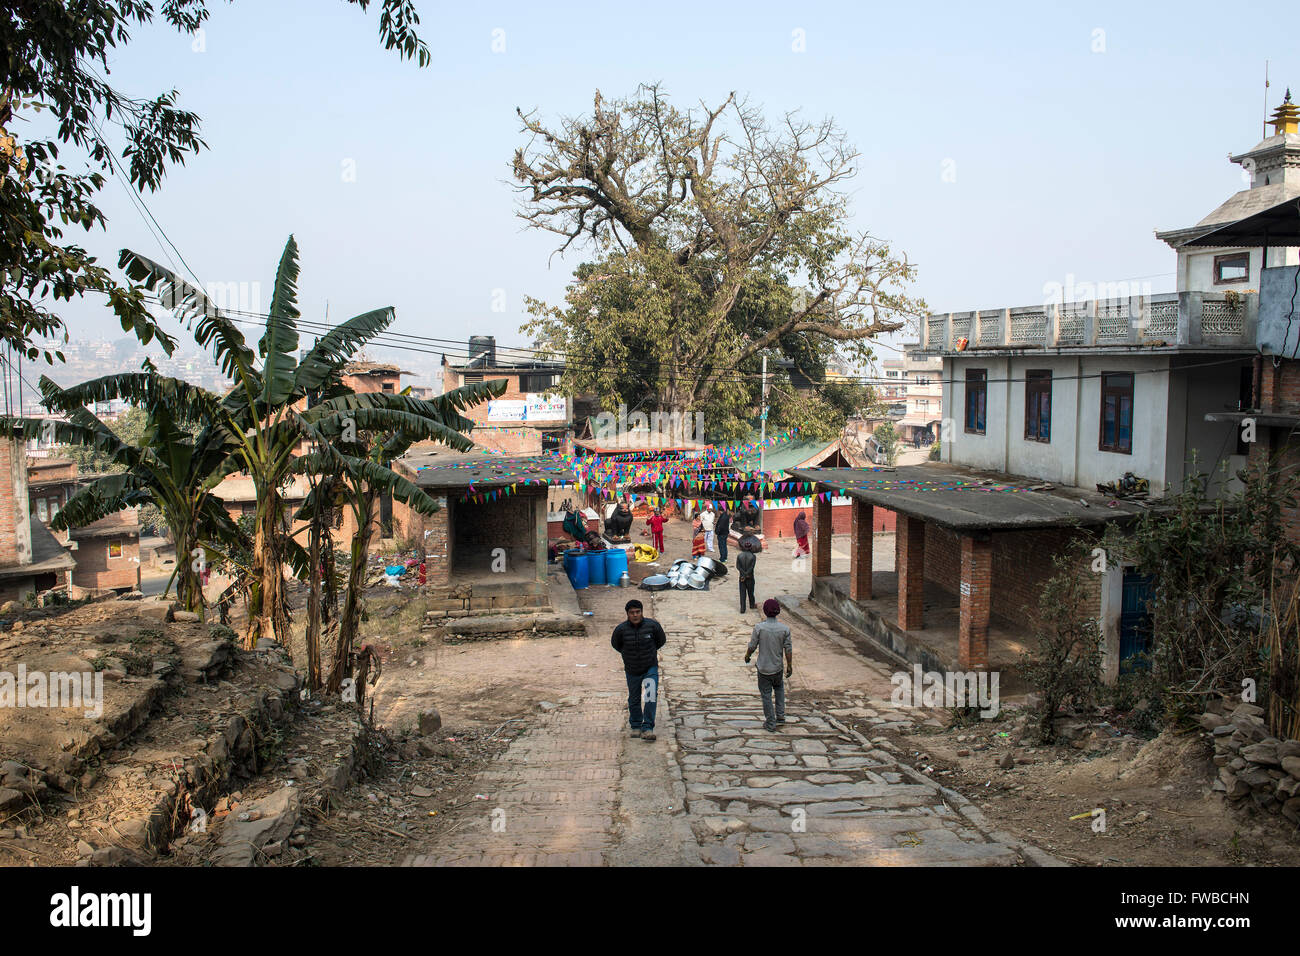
column 1286, row 118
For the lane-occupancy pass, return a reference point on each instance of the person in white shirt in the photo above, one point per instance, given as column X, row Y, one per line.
column 707, row 519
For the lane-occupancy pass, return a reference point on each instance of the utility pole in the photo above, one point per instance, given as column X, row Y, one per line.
column 762, row 435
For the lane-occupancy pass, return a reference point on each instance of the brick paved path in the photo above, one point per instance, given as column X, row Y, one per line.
column 550, row 798
column 716, row 788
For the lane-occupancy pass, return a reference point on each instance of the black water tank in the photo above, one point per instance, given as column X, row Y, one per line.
column 486, row 346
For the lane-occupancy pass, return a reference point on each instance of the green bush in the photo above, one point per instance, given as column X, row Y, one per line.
column 1065, row 661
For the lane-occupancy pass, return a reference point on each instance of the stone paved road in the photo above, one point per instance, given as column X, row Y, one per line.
column 813, row 792
column 716, row 788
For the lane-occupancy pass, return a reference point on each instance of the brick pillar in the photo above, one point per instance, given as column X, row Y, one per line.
column 860, row 543
column 909, row 561
column 540, row 541
column 821, row 538
column 437, row 545
column 976, row 579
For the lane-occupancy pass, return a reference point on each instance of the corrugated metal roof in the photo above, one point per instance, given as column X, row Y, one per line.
column 788, row 455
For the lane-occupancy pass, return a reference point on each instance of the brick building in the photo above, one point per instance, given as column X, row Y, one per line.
column 108, row 554
column 32, row 560
column 487, row 544
column 362, row 377
column 528, row 418
column 51, row 482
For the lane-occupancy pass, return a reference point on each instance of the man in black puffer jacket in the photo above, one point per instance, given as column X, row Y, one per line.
column 638, row 639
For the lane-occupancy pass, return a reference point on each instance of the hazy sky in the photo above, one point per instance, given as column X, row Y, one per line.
column 1061, row 159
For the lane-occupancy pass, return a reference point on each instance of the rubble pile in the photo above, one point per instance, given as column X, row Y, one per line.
column 1251, row 763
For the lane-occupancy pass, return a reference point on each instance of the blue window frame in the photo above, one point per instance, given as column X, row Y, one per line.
column 1038, row 406
column 976, row 399
column 1116, row 412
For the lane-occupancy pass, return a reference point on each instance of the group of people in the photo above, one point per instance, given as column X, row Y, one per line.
column 639, row 639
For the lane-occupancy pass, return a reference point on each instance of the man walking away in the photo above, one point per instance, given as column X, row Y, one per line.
column 745, row 562
column 707, row 519
column 770, row 639
column 638, row 639
column 723, row 528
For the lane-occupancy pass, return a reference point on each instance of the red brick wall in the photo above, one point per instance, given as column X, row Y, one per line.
column 1023, row 564
column 373, row 382
column 39, row 471
column 942, row 558
column 779, row 522
column 509, row 438
column 95, row 569
column 504, row 523
column 912, row 559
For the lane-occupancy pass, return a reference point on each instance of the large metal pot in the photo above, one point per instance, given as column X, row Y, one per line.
column 712, row 565
column 698, row 579
column 656, row 582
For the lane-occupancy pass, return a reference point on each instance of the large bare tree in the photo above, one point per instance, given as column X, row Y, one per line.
column 691, row 214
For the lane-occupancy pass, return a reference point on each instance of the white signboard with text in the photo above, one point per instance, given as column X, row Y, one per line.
column 506, row 410
column 544, row 408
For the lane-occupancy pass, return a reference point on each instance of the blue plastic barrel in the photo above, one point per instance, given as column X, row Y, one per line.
column 615, row 564
column 596, row 567
column 575, row 566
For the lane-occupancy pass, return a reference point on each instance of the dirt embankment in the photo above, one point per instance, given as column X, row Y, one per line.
column 1159, row 809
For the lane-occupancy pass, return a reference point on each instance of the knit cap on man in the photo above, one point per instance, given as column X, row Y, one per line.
column 771, row 607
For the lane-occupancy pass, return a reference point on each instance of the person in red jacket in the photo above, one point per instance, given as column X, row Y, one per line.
column 656, row 523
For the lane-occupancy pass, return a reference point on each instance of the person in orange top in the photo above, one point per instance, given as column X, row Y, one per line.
column 656, row 522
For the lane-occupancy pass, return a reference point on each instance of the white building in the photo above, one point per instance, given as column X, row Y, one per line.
column 1080, row 393
column 923, row 384
column 1273, row 166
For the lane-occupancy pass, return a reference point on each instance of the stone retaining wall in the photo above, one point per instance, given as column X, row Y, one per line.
column 1251, row 763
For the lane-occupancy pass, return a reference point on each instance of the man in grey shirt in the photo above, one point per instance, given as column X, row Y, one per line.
column 770, row 639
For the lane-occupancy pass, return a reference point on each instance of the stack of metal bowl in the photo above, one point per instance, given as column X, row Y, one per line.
column 684, row 575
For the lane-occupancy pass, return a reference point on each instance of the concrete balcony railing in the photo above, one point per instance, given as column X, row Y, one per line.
column 1175, row 319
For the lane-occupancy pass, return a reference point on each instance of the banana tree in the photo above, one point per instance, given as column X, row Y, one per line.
column 359, row 448
column 273, row 409
column 167, row 468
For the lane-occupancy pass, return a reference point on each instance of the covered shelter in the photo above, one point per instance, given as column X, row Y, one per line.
column 972, row 551
column 494, row 508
